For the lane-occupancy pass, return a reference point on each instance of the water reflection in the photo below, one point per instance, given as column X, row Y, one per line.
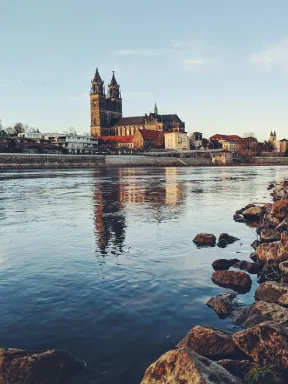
column 118, row 191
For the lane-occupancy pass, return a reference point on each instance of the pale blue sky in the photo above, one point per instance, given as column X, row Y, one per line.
column 222, row 65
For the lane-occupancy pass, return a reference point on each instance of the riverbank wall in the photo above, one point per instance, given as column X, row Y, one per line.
column 37, row 161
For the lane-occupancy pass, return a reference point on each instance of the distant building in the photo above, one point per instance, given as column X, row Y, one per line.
column 31, row 135
column 177, row 141
column 116, row 142
column 279, row 145
column 196, row 139
column 106, row 113
column 272, row 137
column 222, row 158
column 146, row 139
column 74, row 144
column 220, row 138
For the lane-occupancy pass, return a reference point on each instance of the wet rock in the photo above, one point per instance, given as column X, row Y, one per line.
column 238, row 368
column 223, row 304
column 238, row 281
column 37, row 367
column 252, row 268
column 284, row 267
column 284, row 237
column 258, row 312
column 280, row 192
column 253, row 213
column 280, row 209
column 254, row 257
column 223, row 264
column 282, row 226
column 185, row 366
column 266, row 343
column 205, row 239
column 209, row 342
column 239, row 218
column 268, row 235
column 255, row 244
column 272, row 253
column 283, row 300
column 267, row 207
column 271, row 186
column 269, row 221
column 269, row 273
column 270, row 291
column 225, row 239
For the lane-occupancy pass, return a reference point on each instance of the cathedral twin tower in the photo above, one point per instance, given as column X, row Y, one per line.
column 105, row 110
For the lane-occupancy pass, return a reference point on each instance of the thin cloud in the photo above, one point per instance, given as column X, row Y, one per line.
column 139, row 52
column 190, row 64
column 275, row 55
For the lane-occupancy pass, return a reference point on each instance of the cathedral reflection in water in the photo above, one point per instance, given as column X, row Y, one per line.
column 116, row 189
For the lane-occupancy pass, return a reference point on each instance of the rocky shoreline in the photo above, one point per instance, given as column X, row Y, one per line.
column 259, row 352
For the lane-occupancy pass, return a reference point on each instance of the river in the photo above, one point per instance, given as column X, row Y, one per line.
column 101, row 262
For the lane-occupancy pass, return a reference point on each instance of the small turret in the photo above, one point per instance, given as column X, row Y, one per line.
column 97, row 85
column 114, row 88
column 155, row 109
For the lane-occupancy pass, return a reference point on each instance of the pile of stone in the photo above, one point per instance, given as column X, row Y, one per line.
column 210, row 355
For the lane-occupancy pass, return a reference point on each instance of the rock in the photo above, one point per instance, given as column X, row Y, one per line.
column 223, row 264
column 269, row 235
column 280, row 192
column 225, row 239
column 239, row 218
column 271, row 186
column 254, row 257
column 267, row 207
column 209, row 342
column 284, row 237
column 282, row 226
column 185, row 366
column 269, row 221
column 252, row 268
column 272, row 253
column 269, row 272
column 255, row 244
column 238, row 281
column 266, row 343
column 253, row 213
column 283, row 300
column 270, row 291
column 280, row 209
column 238, row 368
column 223, row 304
column 258, row 312
column 284, row 267
column 205, row 239
column 37, row 367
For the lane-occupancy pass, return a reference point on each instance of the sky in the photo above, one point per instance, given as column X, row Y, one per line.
column 221, row 65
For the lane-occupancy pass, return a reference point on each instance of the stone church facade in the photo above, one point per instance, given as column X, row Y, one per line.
column 107, row 119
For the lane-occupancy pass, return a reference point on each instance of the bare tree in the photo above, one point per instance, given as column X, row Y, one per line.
column 19, row 128
column 249, row 134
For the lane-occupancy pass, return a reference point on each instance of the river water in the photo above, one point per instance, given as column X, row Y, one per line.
column 101, row 262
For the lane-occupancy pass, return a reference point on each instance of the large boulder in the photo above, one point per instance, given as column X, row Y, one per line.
column 258, row 312
column 185, row 366
column 223, row 264
column 281, row 191
column 37, row 367
column 225, row 239
column 270, row 291
column 284, row 268
column 272, row 253
column 238, row 368
column 205, row 239
column 238, row 281
column 223, row 304
column 266, row 343
column 268, row 235
column 210, row 342
column 253, row 213
column 280, row 209
column 252, row 268
column 269, row 272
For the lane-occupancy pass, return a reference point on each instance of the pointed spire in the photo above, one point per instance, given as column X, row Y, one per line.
column 271, row 133
column 275, row 133
column 113, row 80
column 97, row 76
column 155, row 109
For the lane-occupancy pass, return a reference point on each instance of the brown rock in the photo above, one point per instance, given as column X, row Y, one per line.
column 253, row 213
column 284, row 267
column 282, row 226
column 37, row 367
column 266, row 343
column 255, row 244
column 184, row 366
column 223, row 304
column 269, row 272
column 270, row 221
column 223, row 264
column 238, row 281
column 238, row 368
column 284, row 237
column 268, row 235
column 239, row 218
column 253, row 256
column 280, row 209
column 283, row 300
column 270, row 291
column 252, row 268
column 205, row 239
column 272, row 253
column 225, row 239
column 209, row 342
column 258, row 312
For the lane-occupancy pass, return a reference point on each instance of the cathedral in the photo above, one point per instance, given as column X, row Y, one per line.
column 106, row 113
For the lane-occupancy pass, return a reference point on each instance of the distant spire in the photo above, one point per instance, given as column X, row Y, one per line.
column 97, row 76
column 275, row 133
column 97, row 85
column 271, row 133
column 155, row 109
column 113, row 80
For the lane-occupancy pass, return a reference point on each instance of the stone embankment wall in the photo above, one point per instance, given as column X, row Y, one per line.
column 270, row 160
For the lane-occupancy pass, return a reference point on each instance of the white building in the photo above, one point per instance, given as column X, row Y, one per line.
column 74, row 144
column 31, row 135
column 177, row 141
